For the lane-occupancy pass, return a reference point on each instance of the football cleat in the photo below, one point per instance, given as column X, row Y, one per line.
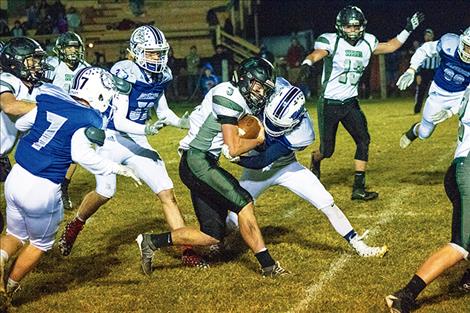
column 399, row 302
column 362, row 194
column 273, row 270
column 146, row 253
column 464, row 284
column 66, row 198
column 192, row 259
column 68, row 237
column 365, row 251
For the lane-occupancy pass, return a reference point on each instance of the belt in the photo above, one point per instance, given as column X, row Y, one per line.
column 352, row 100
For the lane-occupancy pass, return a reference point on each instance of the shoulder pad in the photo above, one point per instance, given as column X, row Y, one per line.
column 371, row 40
column 9, row 82
column 95, row 135
column 125, row 70
column 448, row 44
column 281, row 82
column 302, row 135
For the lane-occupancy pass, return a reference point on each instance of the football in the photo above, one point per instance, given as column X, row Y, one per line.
column 249, row 127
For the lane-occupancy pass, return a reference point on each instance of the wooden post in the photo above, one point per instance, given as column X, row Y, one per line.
column 256, row 23
column 218, row 40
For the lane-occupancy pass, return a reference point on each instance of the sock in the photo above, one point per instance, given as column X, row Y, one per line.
column 412, row 133
column 350, row 235
column 65, row 183
column 80, row 219
column 415, row 286
column 161, row 240
column 338, row 220
column 359, row 180
column 4, row 257
column 264, row 258
column 12, row 285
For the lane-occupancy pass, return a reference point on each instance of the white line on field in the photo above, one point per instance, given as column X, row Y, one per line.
column 385, row 217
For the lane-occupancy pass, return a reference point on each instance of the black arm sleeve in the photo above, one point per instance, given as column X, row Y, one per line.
column 268, row 156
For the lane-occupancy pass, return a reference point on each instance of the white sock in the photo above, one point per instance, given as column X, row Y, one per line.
column 4, row 257
column 12, row 285
column 337, row 219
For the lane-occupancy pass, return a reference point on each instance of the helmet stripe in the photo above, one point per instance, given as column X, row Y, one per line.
column 77, row 77
column 156, row 33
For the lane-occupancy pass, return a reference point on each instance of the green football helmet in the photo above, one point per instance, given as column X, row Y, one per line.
column 69, row 48
column 351, row 16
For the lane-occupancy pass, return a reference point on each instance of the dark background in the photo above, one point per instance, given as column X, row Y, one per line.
column 385, row 19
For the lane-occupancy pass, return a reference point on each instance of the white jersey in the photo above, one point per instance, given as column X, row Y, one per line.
column 8, row 132
column 344, row 65
column 463, row 138
column 224, row 101
column 62, row 75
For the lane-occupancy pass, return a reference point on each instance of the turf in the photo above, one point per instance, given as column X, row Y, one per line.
column 412, row 216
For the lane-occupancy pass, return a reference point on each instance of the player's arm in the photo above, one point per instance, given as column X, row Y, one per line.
column 11, row 106
column 168, row 117
column 393, row 44
column 25, row 122
column 83, row 153
column 233, row 144
column 264, row 158
column 121, row 122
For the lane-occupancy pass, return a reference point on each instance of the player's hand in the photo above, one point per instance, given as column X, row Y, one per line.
column 441, row 116
column 184, row 121
column 261, row 136
column 304, row 73
column 128, row 172
column 226, row 154
column 153, row 128
column 413, row 22
column 406, row 79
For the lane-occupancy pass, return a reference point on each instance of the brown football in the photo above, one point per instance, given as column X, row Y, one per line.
column 249, row 127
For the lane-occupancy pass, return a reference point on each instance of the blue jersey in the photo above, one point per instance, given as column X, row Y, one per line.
column 453, row 74
column 45, row 150
column 146, row 89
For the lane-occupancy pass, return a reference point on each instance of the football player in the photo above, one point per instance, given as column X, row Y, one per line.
column 69, row 59
column 346, row 53
column 448, row 86
column 22, row 63
column 61, row 129
column 289, row 129
column 126, row 141
column 214, row 191
column 457, row 186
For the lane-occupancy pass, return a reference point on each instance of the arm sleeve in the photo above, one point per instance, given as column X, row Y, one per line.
column 266, row 157
column 84, row 154
column 121, row 122
column 325, row 42
column 25, row 122
column 163, row 111
column 427, row 50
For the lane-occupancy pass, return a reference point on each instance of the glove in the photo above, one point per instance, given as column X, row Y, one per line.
column 128, row 172
column 226, row 154
column 413, row 22
column 153, row 128
column 406, row 79
column 304, row 73
column 441, row 116
column 184, row 121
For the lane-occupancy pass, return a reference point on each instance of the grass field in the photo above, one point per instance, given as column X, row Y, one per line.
column 412, row 216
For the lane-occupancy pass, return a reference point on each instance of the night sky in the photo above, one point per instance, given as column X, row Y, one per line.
column 385, row 18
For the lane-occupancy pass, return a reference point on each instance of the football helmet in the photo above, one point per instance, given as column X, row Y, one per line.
column 465, row 42
column 351, row 16
column 69, row 48
column 284, row 111
column 96, row 86
column 24, row 58
column 149, row 48
column 253, row 73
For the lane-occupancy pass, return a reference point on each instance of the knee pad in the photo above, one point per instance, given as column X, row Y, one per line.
column 425, row 129
column 213, row 228
column 362, row 150
column 106, row 190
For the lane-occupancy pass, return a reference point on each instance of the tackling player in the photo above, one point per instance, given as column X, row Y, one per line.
column 289, row 129
column 346, row 53
column 61, row 129
column 448, row 86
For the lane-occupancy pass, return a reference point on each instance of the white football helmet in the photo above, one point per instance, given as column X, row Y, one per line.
column 465, row 41
column 284, row 111
column 96, row 86
column 146, row 41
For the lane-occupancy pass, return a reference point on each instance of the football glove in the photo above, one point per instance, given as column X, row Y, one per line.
column 304, row 73
column 413, row 22
column 406, row 79
column 441, row 116
column 184, row 121
column 153, row 128
column 226, row 154
column 128, row 172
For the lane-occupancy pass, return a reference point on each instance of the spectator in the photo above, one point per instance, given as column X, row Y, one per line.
column 208, row 79
column 73, row 20
column 392, row 63
column 228, row 26
column 137, row 7
column 295, row 54
column 212, row 21
column 45, row 27
column 172, row 90
column 18, row 30
column 4, row 29
column 56, row 10
column 43, row 10
column 266, row 54
column 192, row 66
column 32, row 13
column 218, row 60
column 62, row 25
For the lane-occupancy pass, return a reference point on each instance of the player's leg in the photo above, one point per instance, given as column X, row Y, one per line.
column 355, row 123
column 328, row 120
column 65, row 187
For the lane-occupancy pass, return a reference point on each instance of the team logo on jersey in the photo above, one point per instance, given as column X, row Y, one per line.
column 353, row 53
column 229, row 91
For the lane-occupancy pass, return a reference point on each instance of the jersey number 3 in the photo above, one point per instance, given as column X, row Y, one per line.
column 56, row 123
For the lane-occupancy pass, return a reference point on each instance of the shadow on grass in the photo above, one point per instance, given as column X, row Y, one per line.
column 424, row 177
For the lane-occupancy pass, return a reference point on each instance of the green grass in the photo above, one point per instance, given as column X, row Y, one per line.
column 412, row 216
